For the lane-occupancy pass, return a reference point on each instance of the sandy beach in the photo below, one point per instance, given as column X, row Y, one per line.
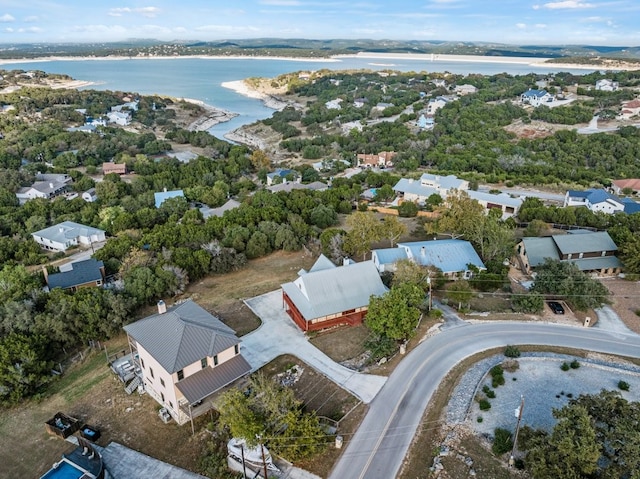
column 212, row 117
column 243, row 88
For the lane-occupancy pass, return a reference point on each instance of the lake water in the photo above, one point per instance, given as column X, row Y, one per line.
column 201, row 78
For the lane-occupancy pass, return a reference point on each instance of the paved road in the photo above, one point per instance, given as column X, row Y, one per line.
column 279, row 335
column 381, row 443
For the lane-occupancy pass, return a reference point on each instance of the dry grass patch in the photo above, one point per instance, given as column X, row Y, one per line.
column 343, row 343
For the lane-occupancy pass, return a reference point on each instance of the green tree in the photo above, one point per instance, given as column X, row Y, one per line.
column 531, row 302
column 395, row 314
column 392, row 229
column 560, row 278
column 364, row 229
column 460, row 292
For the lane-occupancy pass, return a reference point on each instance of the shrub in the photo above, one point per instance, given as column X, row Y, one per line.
column 502, row 441
column 565, row 366
column 484, row 405
column 512, row 351
column 479, row 419
column 623, row 385
column 510, row 365
column 497, row 381
column 486, row 389
column 491, row 394
column 496, row 371
column 574, row 364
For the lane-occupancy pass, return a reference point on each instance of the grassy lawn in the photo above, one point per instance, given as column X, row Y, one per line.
column 342, row 343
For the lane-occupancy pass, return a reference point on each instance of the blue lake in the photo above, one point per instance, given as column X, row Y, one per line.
column 201, row 78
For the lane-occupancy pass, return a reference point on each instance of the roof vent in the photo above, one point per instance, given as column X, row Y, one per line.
column 162, row 307
column 423, row 251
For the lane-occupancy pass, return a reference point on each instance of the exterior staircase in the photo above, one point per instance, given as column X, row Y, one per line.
column 133, row 385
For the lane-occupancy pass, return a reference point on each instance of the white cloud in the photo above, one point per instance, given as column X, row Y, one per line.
column 6, row 18
column 568, row 4
column 30, row 30
column 31, row 18
column 522, row 26
column 8, row 30
column 541, row 25
column 226, row 29
column 148, row 12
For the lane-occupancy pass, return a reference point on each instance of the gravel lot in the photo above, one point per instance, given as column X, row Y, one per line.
column 544, row 387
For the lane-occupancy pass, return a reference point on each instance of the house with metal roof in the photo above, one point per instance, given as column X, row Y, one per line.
column 592, row 252
column 67, row 234
column 329, row 295
column 451, row 256
column 502, row 201
column 183, row 355
column 596, row 200
column 162, row 196
column 279, row 175
column 632, row 183
column 429, row 184
column 536, row 97
column 385, row 259
column 83, row 274
column 46, row 186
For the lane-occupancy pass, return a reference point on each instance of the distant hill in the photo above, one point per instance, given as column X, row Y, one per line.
column 311, row 48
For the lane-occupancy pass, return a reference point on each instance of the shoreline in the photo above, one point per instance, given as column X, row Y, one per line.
column 211, row 118
column 243, row 88
column 538, row 62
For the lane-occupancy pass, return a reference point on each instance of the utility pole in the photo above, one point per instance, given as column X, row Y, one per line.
column 264, row 461
column 430, row 293
column 515, row 438
column 244, row 468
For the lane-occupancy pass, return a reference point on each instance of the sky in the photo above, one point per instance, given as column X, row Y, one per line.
column 518, row 22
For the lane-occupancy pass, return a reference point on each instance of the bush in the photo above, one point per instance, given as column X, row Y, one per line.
column 497, row 381
column 565, row 366
column 623, row 385
column 479, row 419
column 574, row 364
column 491, row 394
column 496, row 371
column 512, row 352
column 484, row 405
column 502, row 442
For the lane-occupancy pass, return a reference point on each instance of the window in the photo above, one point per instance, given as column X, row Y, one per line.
column 236, row 349
column 151, row 372
column 180, row 375
column 581, row 255
column 162, row 396
column 162, row 382
column 142, row 362
column 170, row 404
column 215, row 360
column 203, row 362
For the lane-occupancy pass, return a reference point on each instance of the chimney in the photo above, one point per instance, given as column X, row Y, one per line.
column 165, row 189
column 162, row 307
column 345, row 261
column 51, row 185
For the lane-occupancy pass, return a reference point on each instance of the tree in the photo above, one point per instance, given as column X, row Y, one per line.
column 271, row 412
column 531, row 302
column 460, row 292
column 395, row 314
column 364, row 229
column 392, row 229
column 560, row 278
column 323, row 216
column 260, row 160
column 570, row 452
column 413, row 273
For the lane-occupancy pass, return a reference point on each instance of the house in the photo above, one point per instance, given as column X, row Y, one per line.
column 360, row 102
column 439, row 82
column 64, row 235
column 83, row 274
column 382, row 106
column 219, row 211
column 84, row 129
column 122, row 118
column 418, row 191
column 46, row 186
column 327, row 165
column 502, row 201
column 384, row 159
column 606, row 85
column 279, row 175
column 163, row 196
column 295, row 185
column 596, row 200
column 184, row 355
column 434, row 104
column 630, row 109
column 328, row 295
column 465, row 89
column 591, row 252
column 333, row 104
column 385, row 259
column 117, row 168
column 90, row 195
column 536, row 97
column 451, row 256
column 631, row 183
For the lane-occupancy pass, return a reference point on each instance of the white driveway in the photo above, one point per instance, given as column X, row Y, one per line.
column 278, row 335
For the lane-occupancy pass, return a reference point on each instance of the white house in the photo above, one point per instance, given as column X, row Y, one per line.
column 536, row 97
column 46, row 186
column 506, row 203
column 429, row 184
column 606, row 85
column 122, row 118
column 465, row 89
column 90, row 195
column 183, row 355
column 333, row 104
column 436, row 103
column 597, row 201
column 64, row 235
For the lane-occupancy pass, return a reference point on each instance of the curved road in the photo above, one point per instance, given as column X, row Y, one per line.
column 380, row 444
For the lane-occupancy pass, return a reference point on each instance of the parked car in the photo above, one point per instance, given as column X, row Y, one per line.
column 556, row 307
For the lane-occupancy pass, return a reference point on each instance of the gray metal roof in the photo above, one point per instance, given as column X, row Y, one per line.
column 587, row 243
column 499, row 199
column 294, row 185
column 390, row 255
column 186, row 333
column 209, row 380
column 67, row 230
column 82, row 272
column 594, row 264
column 538, row 249
column 322, row 263
column 406, row 185
column 335, row 290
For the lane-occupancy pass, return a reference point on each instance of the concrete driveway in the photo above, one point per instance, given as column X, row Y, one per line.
column 278, row 335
